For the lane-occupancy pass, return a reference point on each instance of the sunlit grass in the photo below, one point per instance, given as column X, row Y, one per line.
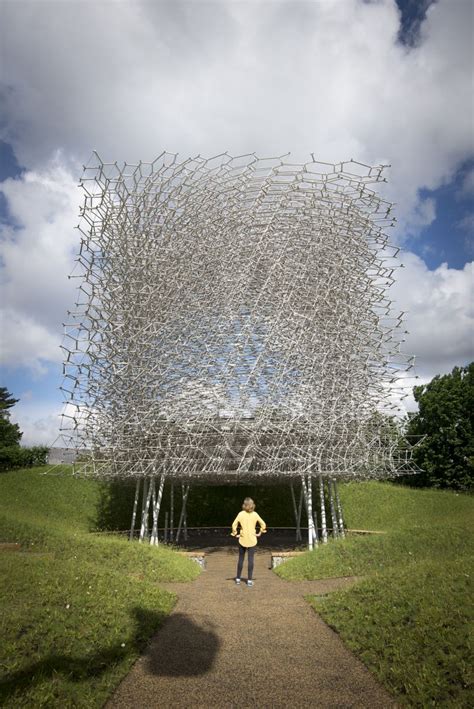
column 411, row 618
column 76, row 608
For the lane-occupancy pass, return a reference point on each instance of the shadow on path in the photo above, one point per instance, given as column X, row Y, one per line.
column 183, row 648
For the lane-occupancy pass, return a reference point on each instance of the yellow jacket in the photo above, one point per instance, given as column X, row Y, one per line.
column 248, row 522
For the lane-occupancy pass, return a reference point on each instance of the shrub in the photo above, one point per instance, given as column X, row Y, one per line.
column 12, row 457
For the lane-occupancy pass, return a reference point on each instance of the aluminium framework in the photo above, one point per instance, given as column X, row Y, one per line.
column 233, row 323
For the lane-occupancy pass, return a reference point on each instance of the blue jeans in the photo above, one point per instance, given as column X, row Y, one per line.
column 251, row 552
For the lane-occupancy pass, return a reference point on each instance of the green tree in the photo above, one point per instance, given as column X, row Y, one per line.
column 10, row 433
column 445, row 419
column 12, row 455
column 6, row 402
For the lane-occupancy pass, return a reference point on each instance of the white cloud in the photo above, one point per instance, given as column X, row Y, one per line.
column 39, row 422
column 422, row 215
column 42, row 422
column 440, row 314
column 467, row 223
column 467, row 188
column 37, row 254
column 439, row 319
column 133, row 78
column 26, row 343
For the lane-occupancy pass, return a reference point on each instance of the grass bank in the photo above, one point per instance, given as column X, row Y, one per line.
column 76, row 609
column 410, row 619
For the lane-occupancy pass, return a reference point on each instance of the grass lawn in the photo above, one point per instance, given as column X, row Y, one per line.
column 410, row 620
column 76, row 609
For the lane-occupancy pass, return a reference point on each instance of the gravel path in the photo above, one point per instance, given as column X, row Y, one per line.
column 233, row 646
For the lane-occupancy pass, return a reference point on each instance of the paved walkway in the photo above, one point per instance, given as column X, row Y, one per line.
column 233, row 646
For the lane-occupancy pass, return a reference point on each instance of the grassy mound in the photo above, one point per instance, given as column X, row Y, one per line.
column 409, row 620
column 76, row 609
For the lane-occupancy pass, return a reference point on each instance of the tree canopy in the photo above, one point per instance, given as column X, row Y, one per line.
column 10, row 433
column 445, row 419
column 6, row 402
column 12, row 455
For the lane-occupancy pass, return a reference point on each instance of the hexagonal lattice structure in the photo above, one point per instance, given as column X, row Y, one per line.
column 233, row 322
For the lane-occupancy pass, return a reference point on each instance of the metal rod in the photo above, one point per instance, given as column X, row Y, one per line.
column 171, row 512
column 332, row 506
column 340, row 515
column 135, row 506
column 184, row 497
column 156, row 512
column 324, row 529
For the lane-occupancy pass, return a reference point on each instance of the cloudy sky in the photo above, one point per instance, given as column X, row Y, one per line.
column 375, row 80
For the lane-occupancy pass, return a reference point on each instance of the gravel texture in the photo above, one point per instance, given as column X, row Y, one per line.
column 233, row 646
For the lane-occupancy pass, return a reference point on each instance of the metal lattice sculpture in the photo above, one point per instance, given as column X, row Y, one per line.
column 233, row 322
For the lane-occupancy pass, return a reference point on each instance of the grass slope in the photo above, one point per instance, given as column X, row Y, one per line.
column 409, row 620
column 76, row 609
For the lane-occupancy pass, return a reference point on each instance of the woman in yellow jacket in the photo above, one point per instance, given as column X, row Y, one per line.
column 247, row 519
